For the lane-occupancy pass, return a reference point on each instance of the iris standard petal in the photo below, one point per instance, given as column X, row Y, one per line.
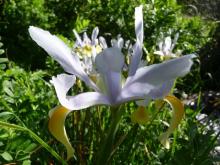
column 110, row 63
column 110, row 59
column 78, row 38
column 137, row 48
column 94, row 36
column 103, row 42
column 57, row 127
column 167, row 45
column 174, row 41
column 64, row 82
column 139, row 25
column 112, row 81
column 57, row 49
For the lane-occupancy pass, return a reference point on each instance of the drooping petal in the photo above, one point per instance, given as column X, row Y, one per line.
column 140, row 116
column 57, row 49
column 135, row 91
column 64, row 82
column 57, row 127
column 162, row 91
column 144, row 102
column 157, row 74
column 178, row 114
column 154, row 93
column 137, row 49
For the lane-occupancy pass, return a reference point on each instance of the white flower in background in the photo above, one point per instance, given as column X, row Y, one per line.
column 142, row 83
column 166, row 47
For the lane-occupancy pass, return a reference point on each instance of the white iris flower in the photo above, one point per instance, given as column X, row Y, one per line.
column 142, row 83
column 166, row 47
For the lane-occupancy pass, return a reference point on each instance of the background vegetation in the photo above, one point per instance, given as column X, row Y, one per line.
column 26, row 95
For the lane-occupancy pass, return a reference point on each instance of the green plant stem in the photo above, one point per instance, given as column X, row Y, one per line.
column 36, row 137
column 107, row 145
column 173, row 149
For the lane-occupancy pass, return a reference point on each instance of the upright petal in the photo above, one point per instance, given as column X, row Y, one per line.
column 78, row 38
column 167, row 45
column 57, row 49
column 139, row 27
column 64, row 82
column 112, row 81
column 94, row 36
column 103, row 42
column 110, row 59
column 110, row 63
column 137, row 49
column 174, row 41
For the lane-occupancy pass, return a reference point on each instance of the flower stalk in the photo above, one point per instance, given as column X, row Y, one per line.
column 104, row 154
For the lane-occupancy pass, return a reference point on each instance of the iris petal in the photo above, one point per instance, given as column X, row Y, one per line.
column 157, row 74
column 57, row 128
column 137, row 48
column 178, row 114
column 140, row 116
column 64, row 82
column 57, row 49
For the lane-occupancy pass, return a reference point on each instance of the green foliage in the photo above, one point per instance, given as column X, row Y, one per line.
column 17, row 16
column 25, row 100
column 112, row 17
column 26, row 96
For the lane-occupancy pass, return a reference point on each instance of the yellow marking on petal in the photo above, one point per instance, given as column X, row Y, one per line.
column 98, row 49
column 57, row 127
column 178, row 114
column 140, row 116
column 159, row 103
column 87, row 50
column 93, row 77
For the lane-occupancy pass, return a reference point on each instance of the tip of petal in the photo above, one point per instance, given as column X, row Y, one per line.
column 164, row 140
column 140, row 116
column 57, row 127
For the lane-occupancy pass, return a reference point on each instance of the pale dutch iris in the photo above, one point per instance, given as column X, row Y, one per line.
column 106, row 64
column 166, row 47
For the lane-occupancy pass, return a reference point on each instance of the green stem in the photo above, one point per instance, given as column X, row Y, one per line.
column 107, row 146
column 174, row 143
column 36, row 137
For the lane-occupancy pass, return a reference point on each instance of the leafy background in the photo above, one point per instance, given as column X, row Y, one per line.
column 26, row 95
